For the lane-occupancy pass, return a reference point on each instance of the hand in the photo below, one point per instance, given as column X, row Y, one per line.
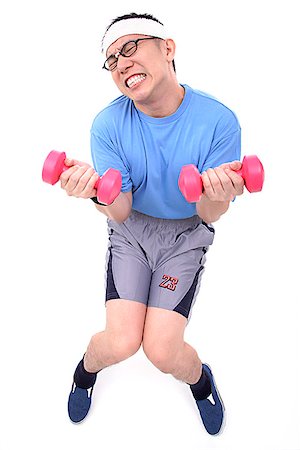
column 79, row 180
column 223, row 183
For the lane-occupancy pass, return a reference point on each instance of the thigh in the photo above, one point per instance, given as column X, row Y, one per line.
column 163, row 329
column 176, row 283
column 125, row 319
column 128, row 274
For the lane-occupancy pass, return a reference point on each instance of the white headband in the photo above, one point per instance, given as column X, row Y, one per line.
column 123, row 27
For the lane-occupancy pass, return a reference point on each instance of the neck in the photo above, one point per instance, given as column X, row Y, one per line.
column 165, row 103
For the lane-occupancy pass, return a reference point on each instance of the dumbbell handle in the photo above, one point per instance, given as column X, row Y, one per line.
column 108, row 186
column 64, row 167
column 191, row 185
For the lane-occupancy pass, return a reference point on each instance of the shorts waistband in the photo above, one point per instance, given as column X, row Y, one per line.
column 157, row 220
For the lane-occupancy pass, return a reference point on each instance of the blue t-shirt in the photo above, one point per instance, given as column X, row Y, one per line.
column 150, row 152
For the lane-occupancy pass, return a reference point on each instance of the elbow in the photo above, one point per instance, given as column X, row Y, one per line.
column 208, row 215
column 120, row 220
column 209, row 218
column 211, row 211
column 119, row 216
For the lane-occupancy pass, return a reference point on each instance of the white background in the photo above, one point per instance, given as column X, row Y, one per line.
column 246, row 321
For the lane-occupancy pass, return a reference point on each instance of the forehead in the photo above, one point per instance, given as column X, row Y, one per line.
column 118, row 44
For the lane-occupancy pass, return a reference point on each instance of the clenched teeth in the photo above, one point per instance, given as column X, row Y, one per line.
column 132, row 81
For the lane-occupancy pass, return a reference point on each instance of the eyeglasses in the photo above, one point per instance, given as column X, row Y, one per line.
column 128, row 49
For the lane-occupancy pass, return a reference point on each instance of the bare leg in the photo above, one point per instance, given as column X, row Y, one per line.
column 121, row 338
column 165, row 347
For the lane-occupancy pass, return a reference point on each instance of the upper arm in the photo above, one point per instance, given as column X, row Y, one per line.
column 129, row 196
column 226, row 142
column 106, row 154
column 224, row 151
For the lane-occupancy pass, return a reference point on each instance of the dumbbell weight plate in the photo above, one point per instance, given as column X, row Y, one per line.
column 253, row 173
column 190, row 183
column 53, row 167
column 109, row 186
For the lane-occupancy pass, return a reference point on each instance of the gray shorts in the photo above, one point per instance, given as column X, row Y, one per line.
column 158, row 262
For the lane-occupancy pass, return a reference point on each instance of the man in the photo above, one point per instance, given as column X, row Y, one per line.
column 157, row 240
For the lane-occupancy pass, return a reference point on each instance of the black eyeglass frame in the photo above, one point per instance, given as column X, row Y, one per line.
column 121, row 52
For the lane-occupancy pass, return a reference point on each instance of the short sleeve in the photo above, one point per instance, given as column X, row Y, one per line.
column 105, row 155
column 226, row 143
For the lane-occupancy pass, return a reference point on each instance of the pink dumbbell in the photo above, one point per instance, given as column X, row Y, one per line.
column 191, row 186
column 108, row 186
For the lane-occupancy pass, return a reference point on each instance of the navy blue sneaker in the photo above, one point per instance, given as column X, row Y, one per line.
column 79, row 403
column 212, row 412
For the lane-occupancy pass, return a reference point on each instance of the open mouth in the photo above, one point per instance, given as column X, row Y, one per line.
column 135, row 80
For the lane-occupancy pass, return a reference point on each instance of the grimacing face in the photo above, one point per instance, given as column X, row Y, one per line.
column 142, row 75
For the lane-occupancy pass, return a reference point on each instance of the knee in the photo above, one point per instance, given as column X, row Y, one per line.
column 124, row 346
column 118, row 348
column 161, row 356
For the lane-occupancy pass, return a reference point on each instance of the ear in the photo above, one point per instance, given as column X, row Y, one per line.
column 170, row 48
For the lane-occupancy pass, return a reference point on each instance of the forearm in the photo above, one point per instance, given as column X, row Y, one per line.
column 119, row 210
column 211, row 211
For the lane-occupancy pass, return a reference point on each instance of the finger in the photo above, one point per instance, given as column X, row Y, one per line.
column 207, row 186
column 69, row 162
column 225, row 189
column 237, row 181
column 71, row 178
column 75, row 162
column 233, row 165
column 215, row 182
column 225, row 180
column 86, row 183
column 90, row 190
column 64, row 178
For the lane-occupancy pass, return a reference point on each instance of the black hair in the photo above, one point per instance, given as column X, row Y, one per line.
column 135, row 16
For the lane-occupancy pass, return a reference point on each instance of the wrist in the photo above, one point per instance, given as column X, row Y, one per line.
column 95, row 200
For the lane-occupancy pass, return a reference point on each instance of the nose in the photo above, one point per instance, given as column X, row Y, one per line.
column 124, row 63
